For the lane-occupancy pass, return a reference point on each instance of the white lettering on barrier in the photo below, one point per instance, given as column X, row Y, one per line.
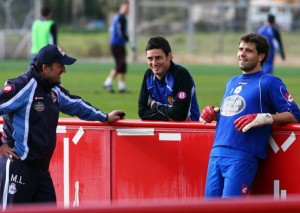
column 135, row 132
column 273, row 145
column 76, row 198
column 287, row 143
column 276, row 190
column 61, row 129
column 78, row 135
column 170, row 136
column 279, row 194
column 283, row 194
column 66, row 173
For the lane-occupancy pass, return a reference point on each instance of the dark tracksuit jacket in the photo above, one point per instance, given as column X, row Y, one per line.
column 32, row 107
column 175, row 96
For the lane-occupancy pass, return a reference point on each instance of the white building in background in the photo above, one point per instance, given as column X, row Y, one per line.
column 259, row 10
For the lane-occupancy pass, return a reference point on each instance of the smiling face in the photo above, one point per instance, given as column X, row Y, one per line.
column 248, row 58
column 158, row 62
column 53, row 72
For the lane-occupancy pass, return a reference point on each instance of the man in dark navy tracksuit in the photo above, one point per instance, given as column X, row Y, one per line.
column 31, row 104
column 168, row 90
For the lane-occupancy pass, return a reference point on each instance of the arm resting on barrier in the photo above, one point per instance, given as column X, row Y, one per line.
column 246, row 122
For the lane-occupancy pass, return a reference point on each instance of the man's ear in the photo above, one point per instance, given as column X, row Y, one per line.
column 45, row 67
column 170, row 56
column 261, row 57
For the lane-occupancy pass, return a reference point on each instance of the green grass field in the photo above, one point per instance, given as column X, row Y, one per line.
column 86, row 79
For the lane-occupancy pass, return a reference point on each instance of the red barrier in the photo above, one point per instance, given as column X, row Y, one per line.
column 278, row 174
column 258, row 205
column 134, row 160
column 130, row 160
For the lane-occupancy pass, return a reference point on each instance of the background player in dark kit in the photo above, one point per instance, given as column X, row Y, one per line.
column 118, row 40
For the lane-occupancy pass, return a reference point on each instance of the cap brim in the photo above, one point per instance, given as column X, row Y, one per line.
column 67, row 60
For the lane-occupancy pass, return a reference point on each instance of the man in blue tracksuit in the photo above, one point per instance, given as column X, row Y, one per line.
column 168, row 90
column 252, row 102
column 31, row 104
column 271, row 32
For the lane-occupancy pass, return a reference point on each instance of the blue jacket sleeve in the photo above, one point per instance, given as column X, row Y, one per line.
column 282, row 99
column 75, row 106
column 15, row 96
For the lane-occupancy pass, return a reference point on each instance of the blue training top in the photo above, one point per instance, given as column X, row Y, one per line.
column 248, row 94
column 175, row 96
column 118, row 30
column 273, row 36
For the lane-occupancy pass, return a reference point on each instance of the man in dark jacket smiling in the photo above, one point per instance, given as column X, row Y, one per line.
column 31, row 104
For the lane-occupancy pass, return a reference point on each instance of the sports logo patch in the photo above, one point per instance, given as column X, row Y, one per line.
column 244, row 189
column 12, row 189
column 238, row 90
column 8, row 88
column 289, row 97
column 233, row 105
column 39, row 106
column 181, row 95
column 38, row 98
column 170, row 100
column 61, row 50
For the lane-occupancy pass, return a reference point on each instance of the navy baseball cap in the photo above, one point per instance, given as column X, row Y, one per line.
column 53, row 53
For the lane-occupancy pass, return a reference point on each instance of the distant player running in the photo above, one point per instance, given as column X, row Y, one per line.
column 118, row 40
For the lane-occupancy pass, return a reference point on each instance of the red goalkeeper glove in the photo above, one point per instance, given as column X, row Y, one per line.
column 246, row 122
column 208, row 114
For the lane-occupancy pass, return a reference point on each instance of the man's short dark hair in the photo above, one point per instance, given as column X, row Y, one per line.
column 261, row 43
column 45, row 11
column 159, row 43
column 271, row 18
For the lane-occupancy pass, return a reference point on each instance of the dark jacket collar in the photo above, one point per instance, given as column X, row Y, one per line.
column 42, row 82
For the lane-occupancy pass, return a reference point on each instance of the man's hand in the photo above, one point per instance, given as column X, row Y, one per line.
column 8, row 152
column 208, row 114
column 246, row 122
column 151, row 103
column 115, row 115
